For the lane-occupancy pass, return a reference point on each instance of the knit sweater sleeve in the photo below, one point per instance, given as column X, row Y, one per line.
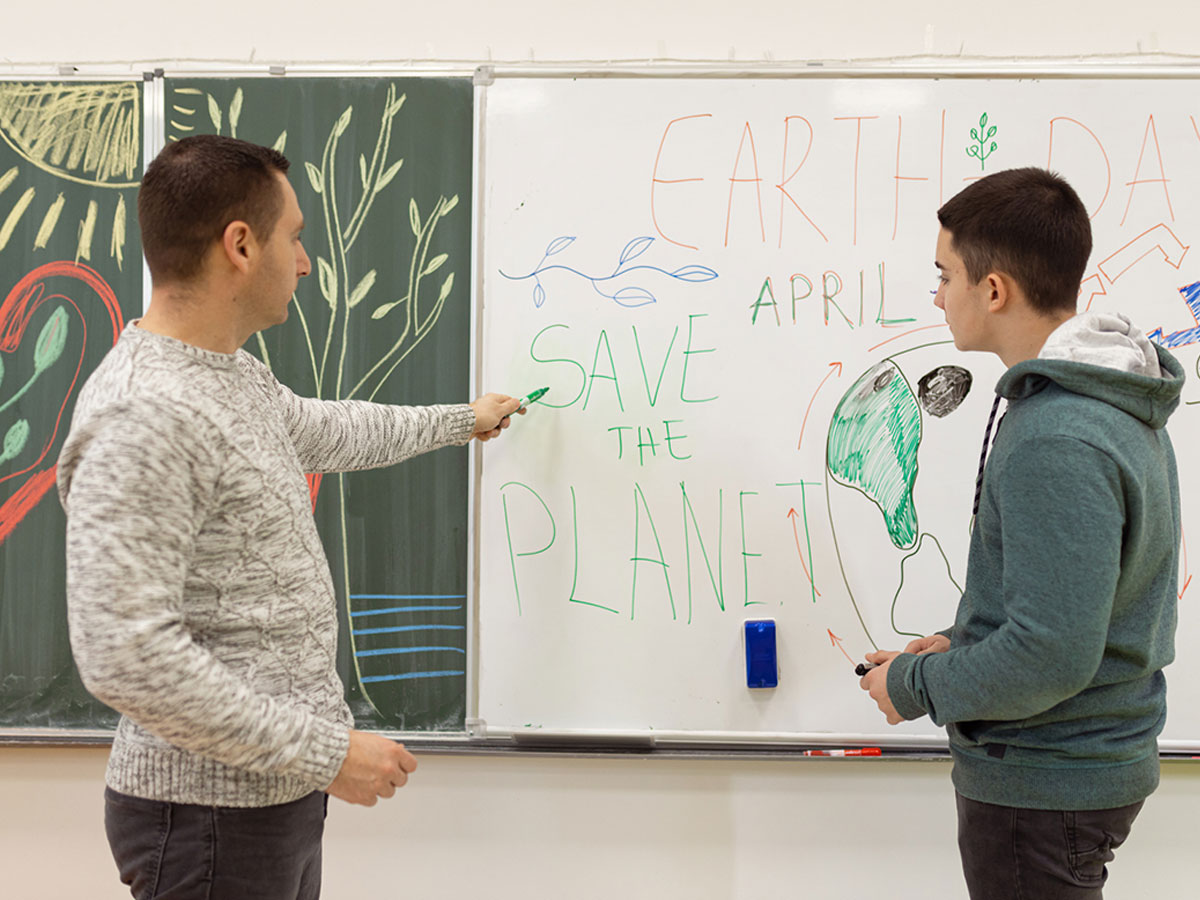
column 1062, row 515
column 136, row 486
column 349, row 435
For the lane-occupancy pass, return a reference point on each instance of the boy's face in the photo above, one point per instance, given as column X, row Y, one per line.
column 965, row 304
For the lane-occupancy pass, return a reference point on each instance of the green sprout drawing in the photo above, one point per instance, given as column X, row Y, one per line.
column 982, row 135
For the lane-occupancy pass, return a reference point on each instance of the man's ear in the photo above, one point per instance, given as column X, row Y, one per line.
column 238, row 244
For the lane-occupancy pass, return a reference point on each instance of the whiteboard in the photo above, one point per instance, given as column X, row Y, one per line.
column 705, row 272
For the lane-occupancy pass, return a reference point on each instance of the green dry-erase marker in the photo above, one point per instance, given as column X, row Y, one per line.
column 533, row 397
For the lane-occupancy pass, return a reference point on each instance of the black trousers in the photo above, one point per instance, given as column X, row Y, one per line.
column 179, row 851
column 1010, row 853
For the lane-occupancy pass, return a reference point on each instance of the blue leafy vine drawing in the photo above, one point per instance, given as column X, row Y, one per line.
column 630, row 296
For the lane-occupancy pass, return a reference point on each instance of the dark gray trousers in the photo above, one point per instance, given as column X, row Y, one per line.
column 1010, row 853
column 179, row 851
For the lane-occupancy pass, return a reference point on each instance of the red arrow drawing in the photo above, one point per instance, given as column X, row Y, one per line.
column 791, row 514
column 1160, row 238
column 837, row 642
column 1091, row 294
column 833, row 367
column 1187, row 577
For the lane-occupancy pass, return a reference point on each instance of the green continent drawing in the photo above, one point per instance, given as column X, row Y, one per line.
column 872, row 446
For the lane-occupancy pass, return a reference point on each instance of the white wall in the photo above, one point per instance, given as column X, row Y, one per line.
column 72, row 31
column 581, row 828
column 527, row 829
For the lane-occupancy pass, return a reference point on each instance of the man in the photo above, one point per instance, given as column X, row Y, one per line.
column 200, row 600
column 1050, row 682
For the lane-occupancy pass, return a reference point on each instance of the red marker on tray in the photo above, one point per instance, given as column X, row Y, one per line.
column 856, row 751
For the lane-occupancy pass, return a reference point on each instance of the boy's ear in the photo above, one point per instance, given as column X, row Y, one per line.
column 999, row 289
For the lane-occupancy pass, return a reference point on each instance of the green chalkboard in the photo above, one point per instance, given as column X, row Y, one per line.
column 70, row 263
column 382, row 169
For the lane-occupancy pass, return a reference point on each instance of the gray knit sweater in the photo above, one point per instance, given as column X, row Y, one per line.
column 200, row 600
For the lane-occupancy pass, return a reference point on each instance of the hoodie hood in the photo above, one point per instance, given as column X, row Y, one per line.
column 1102, row 339
column 1103, row 356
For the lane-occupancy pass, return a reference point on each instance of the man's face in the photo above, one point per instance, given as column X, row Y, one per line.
column 964, row 304
column 282, row 264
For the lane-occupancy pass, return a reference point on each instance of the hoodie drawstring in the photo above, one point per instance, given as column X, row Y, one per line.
column 987, row 442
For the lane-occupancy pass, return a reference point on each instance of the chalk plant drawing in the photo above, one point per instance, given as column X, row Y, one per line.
column 871, row 447
column 343, row 288
column 83, row 134
column 983, row 145
column 74, row 164
column 631, row 295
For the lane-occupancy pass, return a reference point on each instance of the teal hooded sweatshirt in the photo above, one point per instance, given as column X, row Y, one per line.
column 1052, row 691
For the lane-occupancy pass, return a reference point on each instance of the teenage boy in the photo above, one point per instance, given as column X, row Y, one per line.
column 1050, row 682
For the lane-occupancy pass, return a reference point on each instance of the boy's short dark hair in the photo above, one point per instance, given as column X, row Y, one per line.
column 193, row 189
column 1028, row 224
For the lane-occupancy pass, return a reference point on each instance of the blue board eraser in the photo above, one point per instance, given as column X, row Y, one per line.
column 762, row 670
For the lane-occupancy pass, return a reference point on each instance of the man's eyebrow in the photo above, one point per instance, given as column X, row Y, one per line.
column 939, row 265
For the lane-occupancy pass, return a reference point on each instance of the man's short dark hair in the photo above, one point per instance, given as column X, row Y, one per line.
column 1028, row 224
column 193, row 189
